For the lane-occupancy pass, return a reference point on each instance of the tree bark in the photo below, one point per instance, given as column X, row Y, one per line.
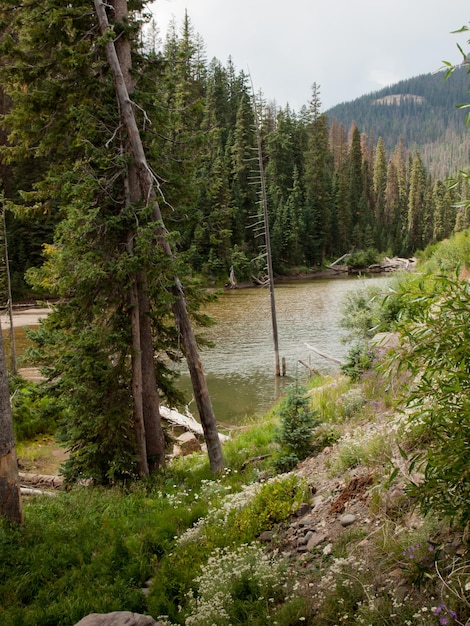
column 149, row 432
column 154, row 437
column 137, row 382
column 10, row 495
column 146, row 178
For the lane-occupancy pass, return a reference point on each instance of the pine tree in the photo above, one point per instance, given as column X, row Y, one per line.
column 107, row 262
column 318, row 164
column 416, row 204
column 243, row 167
column 355, row 178
column 380, row 185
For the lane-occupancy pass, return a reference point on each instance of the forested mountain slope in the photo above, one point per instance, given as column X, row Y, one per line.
column 423, row 111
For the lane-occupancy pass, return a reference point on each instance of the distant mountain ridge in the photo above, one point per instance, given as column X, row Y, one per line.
column 423, row 112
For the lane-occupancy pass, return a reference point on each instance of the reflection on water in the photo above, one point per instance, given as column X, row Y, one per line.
column 240, row 366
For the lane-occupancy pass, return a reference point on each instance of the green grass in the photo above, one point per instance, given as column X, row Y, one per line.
column 92, row 549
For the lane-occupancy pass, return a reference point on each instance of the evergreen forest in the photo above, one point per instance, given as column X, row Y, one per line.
column 423, row 111
column 354, row 178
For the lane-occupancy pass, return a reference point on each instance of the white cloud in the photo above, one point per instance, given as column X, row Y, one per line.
column 348, row 47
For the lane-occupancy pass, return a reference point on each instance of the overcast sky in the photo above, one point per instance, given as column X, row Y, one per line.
column 348, row 47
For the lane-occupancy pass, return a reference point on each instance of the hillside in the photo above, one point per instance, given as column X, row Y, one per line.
column 423, row 112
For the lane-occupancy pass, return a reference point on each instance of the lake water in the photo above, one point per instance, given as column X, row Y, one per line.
column 240, row 366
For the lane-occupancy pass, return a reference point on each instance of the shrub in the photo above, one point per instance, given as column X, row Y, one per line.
column 371, row 309
column 236, row 586
column 437, row 354
column 361, row 259
column 296, row 432
column 360, row 358
column 34, row 411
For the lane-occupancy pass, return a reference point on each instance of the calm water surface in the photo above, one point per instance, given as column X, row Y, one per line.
column 240, row 366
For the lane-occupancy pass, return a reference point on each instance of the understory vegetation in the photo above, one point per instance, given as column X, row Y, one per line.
column 191, row 548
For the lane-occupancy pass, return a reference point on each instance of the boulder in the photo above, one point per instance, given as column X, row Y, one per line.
column 187, row 443
column 117, row 618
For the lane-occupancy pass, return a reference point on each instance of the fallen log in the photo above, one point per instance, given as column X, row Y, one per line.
column 28, row 491
column 185, row 421
column 311, row 370
column 322, row 354
column 341, row 258
column 41, row 480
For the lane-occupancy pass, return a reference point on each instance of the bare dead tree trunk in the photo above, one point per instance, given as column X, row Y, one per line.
column 10, row 495
column 151, row 440
column 146, row 179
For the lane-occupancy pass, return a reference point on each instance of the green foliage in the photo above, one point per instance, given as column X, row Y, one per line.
column 232, row 520
column 444, row 128
column 97, row 424
column 237, row 586
column 320, row 202
column 359, row 360
column 369, row 310
column 274, row 502
column 84, row 551
column 35, row 412
column 296, row 432
column 362, row 259
column 448, row 255
column 437, row 340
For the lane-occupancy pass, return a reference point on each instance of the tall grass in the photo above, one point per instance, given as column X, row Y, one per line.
column 93, row 549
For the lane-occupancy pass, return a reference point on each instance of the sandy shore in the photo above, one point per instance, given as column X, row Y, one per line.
column 26, row 317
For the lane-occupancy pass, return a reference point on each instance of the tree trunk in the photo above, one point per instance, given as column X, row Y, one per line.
column 137, row 384
column 154, row 437
column 149, row 432
column 10, row 495
column 198, row 380
column 146, row 178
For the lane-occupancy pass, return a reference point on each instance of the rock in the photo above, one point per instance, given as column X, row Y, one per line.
column 328, row 549
column 315, row 540
column 118, row 618
column 303, row 509
column 304, row 539
column 395, row 501
column 347, row 520
column 266, row 536
column 317, row 502
column 308, row 520
column 386, row 341
column 188, row 443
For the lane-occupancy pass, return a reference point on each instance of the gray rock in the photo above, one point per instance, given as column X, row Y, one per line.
column 315, row 540
column 308, row 520
column 117, row 618
column 347, row 520
column 317, row 502
column 266, row 536
column 303, row 509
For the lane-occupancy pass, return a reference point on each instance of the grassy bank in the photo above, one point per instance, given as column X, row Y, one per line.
column 158, row 547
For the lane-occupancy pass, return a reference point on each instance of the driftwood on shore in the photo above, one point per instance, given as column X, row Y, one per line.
column 185, row 421
column 395, row 264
